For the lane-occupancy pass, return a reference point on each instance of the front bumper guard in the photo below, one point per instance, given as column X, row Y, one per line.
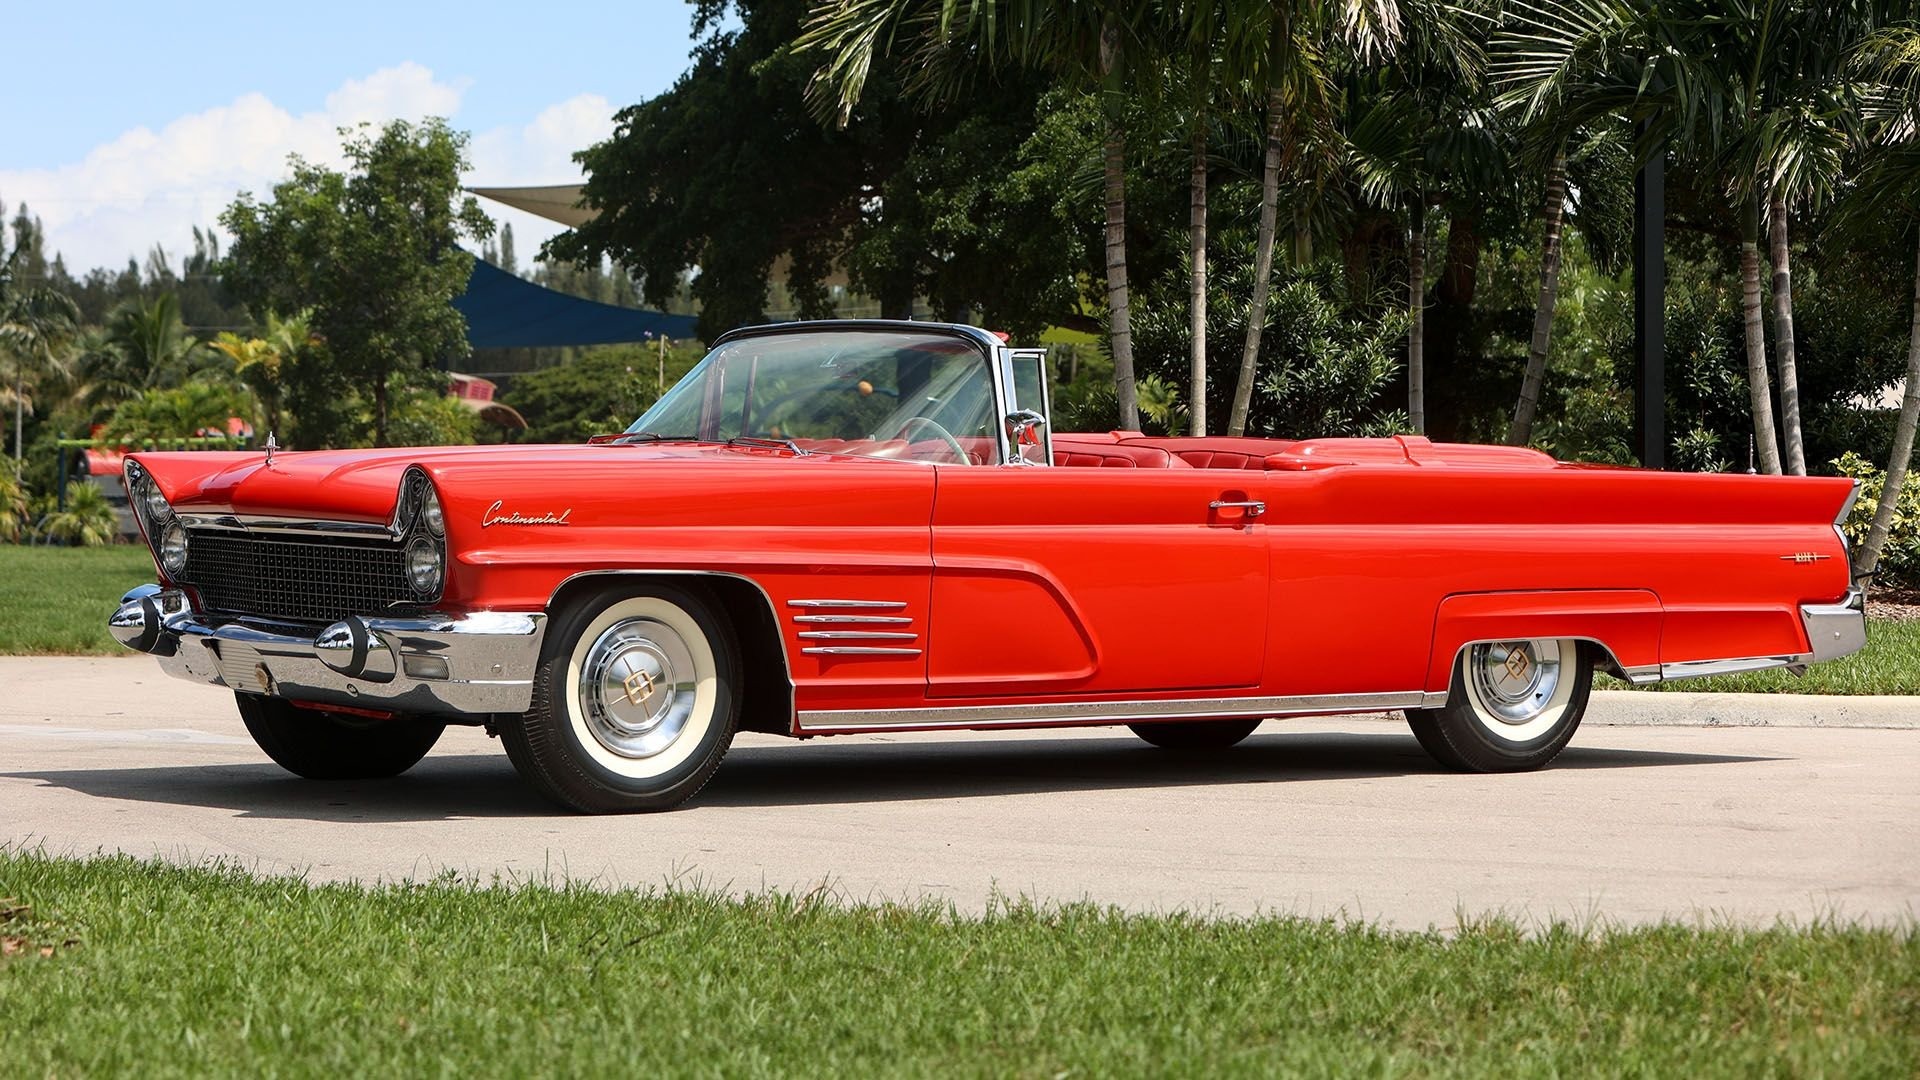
column 442, row 665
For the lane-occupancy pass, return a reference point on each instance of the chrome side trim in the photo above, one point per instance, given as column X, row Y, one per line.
column 846, row 603
column 1695, row 669
column 857, row 650
column 1642, row 674
column 842, row 620
column 1108, row 712
column 857, row 635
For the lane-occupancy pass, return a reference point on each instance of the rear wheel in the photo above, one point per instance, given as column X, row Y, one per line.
column 1512, row 705
column 634, row 704
column 1195, row 734
column 322, row 745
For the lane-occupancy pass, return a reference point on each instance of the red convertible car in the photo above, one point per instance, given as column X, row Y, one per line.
column 842, row 527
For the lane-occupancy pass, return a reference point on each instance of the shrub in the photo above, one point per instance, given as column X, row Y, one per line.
column 88, row 520
column 1900, row 559
column 16, row 507
column 424, row 418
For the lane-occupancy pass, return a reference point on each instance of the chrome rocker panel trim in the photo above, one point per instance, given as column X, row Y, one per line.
column 1089, row 713
column 454, row 665
column 1833, row 630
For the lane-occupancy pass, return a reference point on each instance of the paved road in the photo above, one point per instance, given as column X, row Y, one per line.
column 1312, row 816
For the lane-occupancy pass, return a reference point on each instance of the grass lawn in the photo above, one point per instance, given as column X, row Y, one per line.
column 56, row 599
column 1890, row 664
column 211, row 971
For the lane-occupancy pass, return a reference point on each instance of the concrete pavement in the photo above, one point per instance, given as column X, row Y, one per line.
column 1321, row 816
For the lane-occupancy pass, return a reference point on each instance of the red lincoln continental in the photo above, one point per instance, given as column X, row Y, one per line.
column 840, row 527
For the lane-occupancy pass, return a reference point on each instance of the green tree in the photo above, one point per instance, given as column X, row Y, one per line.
column 1888, row 187
column 36, row 322
column 373, row 253
column 1092, row 44
column 87, row 521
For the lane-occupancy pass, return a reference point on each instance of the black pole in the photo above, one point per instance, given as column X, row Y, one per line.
column 60, row 500
column 1650, row 312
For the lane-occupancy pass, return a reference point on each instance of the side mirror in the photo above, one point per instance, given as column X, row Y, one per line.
column 1023, row 430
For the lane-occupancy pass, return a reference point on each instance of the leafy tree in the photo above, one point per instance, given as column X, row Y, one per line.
column 145, row 346
column 373, row 253
column 266, row 364
column 1091, row 44
column 602, row 392
column 430, row 418
column 1890, row 187
column 36, row 322
column 184, row 411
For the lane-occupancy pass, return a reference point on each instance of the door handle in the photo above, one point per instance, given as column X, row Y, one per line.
column 1253, row 507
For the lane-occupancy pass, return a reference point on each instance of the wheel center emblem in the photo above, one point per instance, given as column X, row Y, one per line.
column 1517, row 664
column 639, row 686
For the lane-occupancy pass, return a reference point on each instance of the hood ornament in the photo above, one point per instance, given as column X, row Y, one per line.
column 272, row 445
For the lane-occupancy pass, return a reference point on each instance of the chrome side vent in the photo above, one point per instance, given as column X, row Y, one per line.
column 851, row 633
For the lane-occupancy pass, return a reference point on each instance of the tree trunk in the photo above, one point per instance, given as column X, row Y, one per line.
column 1783, row 332
column 1197, row 290
column 1867, row 559
column 1262, row 265
column 1461, row 271
column 1759, row 392
column 19, row 415
column 1120, row 332
column 1552, row 213
column 380, row 409
column 1114, row 164
column 1417, row 318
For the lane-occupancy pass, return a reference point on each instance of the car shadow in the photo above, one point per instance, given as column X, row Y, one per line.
column 485, row 786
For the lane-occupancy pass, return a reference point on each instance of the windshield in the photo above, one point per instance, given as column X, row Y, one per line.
column 920, row 397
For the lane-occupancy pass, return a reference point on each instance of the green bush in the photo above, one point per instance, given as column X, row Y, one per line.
column 16, row 507
column 88, row 520
column 1900, row 559
column 425, row 418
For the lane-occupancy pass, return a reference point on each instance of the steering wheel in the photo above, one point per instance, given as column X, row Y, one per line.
column 941, row 433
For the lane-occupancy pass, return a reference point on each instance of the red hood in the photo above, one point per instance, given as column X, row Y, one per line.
column 363, row 485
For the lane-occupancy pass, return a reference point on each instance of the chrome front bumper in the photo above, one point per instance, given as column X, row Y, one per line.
column 445, row 665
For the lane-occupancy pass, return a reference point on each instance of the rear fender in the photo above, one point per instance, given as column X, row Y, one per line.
column 1624, row 623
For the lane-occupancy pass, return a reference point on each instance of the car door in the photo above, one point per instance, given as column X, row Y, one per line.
column 1059, row 580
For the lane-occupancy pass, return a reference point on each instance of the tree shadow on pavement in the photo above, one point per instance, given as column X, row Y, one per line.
column 827, row 772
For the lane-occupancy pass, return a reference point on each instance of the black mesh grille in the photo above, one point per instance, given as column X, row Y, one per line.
column 301, row 580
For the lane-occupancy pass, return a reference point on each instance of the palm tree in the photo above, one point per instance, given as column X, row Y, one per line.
column 1091, row 44
column 1889, row 185
column 1753, row 92
column 1423, row 130
column 145, row 346
column 1202, row 21
column 35, row 324
column 1293, row 69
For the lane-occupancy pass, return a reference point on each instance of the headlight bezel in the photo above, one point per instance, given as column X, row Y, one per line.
column 420, row 528
column 166, row 547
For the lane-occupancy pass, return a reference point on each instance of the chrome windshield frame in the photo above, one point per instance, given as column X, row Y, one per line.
column 998, row 357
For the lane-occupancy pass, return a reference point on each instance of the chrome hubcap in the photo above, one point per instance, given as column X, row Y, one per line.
column 637, row 687
column 1515, row 680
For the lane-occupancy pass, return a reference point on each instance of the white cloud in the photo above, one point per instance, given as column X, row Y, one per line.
column 146, row 187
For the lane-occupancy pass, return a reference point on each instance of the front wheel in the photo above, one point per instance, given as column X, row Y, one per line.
column 322, row 745
column 1512, row 705
column 634, row 704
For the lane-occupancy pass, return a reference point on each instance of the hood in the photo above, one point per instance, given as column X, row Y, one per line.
column 364, row 485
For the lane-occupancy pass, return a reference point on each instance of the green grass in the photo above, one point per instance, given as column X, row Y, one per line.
column 1890, row 664
column 55, row 600
column 209, row 971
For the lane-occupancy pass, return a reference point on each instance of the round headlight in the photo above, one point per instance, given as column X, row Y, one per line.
column 432, row 516
column 424, row 567
column 173, row 548
column 157, row 508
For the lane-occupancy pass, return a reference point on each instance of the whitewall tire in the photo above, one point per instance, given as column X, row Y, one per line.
column 1511, row 706
column 635, row 702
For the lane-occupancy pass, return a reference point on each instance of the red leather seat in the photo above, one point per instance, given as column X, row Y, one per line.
column 1114, row 456
column 1215, row 452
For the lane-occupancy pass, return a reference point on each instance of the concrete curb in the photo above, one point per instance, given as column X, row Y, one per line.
column 1665, row 708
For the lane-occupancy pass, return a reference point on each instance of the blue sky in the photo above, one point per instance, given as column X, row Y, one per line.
column 126, row 125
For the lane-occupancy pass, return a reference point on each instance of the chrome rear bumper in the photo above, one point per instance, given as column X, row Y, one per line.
column 444, row 665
